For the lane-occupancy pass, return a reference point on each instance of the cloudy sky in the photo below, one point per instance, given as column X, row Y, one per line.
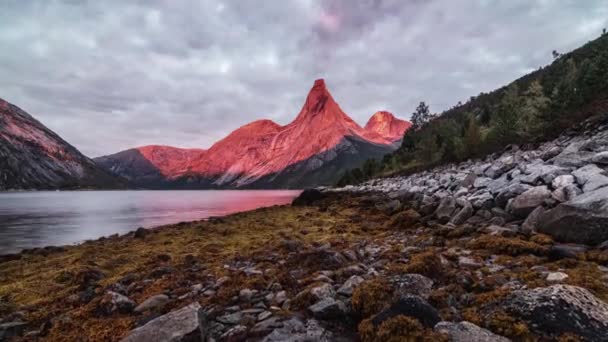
column 114, row 74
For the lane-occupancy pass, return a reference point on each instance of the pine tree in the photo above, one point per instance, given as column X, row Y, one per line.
column 420, row 116
column 506, row 118
column 472, row 138
column 535, row 103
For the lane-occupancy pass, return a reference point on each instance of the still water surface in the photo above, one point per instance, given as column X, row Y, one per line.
column 38, row 219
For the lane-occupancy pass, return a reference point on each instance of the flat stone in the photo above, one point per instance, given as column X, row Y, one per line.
column 154, row 302
column 556, row 277
column 467, row 332
column 562, row 181
column 185, row 324
column 296, row 330
column 233, row 318
column 464, row 213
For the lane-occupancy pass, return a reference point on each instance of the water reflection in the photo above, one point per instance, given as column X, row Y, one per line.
column 37, row 219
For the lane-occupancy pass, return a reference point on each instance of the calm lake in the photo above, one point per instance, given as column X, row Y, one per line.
column 38, row 219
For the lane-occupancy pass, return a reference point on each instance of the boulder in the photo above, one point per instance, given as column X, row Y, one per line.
column 349, row 286
column 530, row 224
column 153, row 302
column 328, row 308
column 463, row 214
column 561, row 309
column 296, row 330
column 509, row 192
column 467, row 332
column 389, row 207
column 562, row 181
column 500, row 166
column 583, row 219
column 411, row 284
column 186, row 324
column 409, row 305
column 600, row 158
column 446, row 208
column 113, row 302
column 482, row 200
column 308, row 197
column 322, row 291
column 525, row 203
column 585, row 173
column 482, row 182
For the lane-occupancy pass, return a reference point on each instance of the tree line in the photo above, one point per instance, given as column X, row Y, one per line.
column 535, row 107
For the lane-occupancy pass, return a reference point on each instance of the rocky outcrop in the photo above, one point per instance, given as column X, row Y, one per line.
column 559, row 188
column 561, row 309
column 34, row 157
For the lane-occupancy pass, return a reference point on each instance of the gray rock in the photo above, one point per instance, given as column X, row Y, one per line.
column 562, row 181
column 500, row 166
column 463, row 214
column 482, row 182
column 389, row 207
column 186, row 324
column 524, row 204
column 413, row 306
column 246, row 294
column 11, row 329
column 232, row 319
column 446, row 208
column 328, row 308
column 559, row 309
column 583, row 219
column 483, row 200
column 323, row 291
column 556, row 277
column 468, row 262
column 467, row 332
column 153, row 302
column 350, row 285
column 115, row 302
column 585, row 173
column 509, row 192
column 595, row 182
column 412, row 284
column 530, row 224
column 600, row 158
column 295, row 330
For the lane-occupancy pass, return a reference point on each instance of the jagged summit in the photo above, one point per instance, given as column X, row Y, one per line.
column 387, row 125
column 320, row 134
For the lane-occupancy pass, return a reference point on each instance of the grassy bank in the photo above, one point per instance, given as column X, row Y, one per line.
column 46, row 288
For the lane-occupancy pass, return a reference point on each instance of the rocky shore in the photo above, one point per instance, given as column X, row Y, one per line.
column 509, row 248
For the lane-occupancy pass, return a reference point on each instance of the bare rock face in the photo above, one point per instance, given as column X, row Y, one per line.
column 560, row 309
column 467, row 332
column 34, row 157
column 387, row 125
column 583, row 219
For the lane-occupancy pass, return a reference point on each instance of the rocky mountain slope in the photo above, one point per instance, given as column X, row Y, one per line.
column 312, row 150
column 34, row 157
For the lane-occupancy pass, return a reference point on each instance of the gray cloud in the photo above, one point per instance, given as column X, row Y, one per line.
column 109, row 75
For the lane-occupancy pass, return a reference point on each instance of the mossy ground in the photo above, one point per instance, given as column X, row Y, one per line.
column 40, row 285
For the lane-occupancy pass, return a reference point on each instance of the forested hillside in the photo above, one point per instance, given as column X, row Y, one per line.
column 533, row 108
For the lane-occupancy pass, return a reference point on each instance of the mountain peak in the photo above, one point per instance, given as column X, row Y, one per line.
column 387, row 125
column 319, row 83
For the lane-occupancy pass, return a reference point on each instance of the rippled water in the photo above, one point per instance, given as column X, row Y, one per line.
column 38, row 219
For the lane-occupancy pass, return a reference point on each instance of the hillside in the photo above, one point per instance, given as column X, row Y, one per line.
column 34, row 157
column 531, row 109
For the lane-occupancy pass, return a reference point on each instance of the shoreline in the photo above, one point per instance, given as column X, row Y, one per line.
column 254, row 273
